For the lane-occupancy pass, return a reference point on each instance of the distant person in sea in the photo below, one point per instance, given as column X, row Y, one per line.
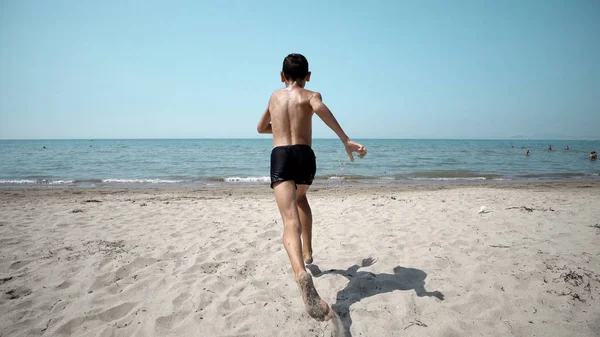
column 549, row 148
column 567, row 148
column 593, row 155
column 527, row 153
column 288, row 117
column 44, row 147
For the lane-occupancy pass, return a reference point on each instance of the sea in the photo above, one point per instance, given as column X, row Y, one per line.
column 229, row 162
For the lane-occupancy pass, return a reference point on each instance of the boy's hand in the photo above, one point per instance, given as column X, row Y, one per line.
column 352, row 146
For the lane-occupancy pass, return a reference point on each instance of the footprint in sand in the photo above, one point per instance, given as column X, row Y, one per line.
column 16, row 293
column 110, row 315
column 19, row 264
column 64, row 285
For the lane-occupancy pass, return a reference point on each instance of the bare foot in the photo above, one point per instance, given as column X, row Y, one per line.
column 307, row 257
column 314, row 305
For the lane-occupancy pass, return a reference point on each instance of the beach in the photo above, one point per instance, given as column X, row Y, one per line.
column 392, row 260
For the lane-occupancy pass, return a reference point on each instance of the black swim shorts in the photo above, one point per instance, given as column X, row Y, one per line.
column 293, row 162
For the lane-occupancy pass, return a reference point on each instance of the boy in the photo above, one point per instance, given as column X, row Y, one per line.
column 293, row 166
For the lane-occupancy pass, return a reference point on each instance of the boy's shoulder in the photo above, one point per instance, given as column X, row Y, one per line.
column 304, row 92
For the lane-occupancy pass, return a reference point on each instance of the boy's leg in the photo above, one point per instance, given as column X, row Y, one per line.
column 306, row 221
column 285, row 195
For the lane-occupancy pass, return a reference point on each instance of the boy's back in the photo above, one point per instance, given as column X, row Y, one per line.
column 291, row 116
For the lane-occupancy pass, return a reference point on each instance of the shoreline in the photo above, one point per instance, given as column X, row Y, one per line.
column 316, row 187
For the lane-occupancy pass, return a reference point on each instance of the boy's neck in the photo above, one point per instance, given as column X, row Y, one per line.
column 292, row 84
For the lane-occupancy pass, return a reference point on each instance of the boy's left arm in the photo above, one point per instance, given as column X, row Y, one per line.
column 264, row 124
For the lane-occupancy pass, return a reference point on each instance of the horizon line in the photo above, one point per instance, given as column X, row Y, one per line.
column 316, row 138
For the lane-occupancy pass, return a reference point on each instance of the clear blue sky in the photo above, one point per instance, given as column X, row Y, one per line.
column 387, row 69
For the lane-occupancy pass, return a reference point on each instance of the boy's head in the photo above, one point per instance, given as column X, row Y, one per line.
column 295, row 69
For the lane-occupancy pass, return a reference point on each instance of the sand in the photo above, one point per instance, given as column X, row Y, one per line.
column 391, row 260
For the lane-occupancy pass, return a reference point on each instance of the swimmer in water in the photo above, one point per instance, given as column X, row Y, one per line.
column 527, row 153
column 593, row 155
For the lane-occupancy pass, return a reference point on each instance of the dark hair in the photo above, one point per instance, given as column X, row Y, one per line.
column 295, row 67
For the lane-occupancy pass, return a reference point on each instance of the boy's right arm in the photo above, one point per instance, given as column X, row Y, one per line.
column 264, row 124
column 316, row 103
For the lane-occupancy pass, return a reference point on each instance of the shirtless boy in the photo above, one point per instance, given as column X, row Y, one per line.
column 293, row 166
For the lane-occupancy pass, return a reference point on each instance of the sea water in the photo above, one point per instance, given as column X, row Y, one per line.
column 206, row 162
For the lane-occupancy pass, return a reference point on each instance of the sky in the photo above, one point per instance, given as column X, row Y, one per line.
column 386, row 69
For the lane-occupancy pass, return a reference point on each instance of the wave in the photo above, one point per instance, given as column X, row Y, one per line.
column 451, row 175
column 60, row 182
column 84, row 181
column 344, row 177
column 557, row 175
column 247, row 180
column 455, row 175
column 434, row 175
column 18, row 181
column 449, row 178
column 36, row 181
column 353, row 177
column 143, row 181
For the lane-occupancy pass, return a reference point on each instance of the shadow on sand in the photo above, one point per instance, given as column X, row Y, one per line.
column 365, row 284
